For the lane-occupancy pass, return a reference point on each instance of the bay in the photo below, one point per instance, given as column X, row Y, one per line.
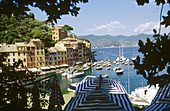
column 135, row 80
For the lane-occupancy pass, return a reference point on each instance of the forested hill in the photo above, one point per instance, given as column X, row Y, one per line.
column 114, row 41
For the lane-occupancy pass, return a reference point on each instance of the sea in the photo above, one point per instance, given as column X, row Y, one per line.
column 129, row 79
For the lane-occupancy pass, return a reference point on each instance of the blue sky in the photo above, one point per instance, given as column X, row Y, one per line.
column 113, row 17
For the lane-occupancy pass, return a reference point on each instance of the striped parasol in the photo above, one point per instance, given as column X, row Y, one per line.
column 110, row 96
column 161, row 100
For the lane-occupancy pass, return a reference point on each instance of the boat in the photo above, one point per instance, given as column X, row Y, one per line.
column 75, row 74
column 65, row 73
column 119, row 70
column 130, row 63
column 114, row 62
column 115, row 68
column 85, row 67
column 108, row 68
column 99, row 68
column 106, row 75
column 133, row 58
column 125, row 63
column 104, row 65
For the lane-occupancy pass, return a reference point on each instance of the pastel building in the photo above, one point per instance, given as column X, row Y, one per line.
column 11, row 51
column 63, row 52
column 22, row 52
column 52, row 57
column 37, row 53
column 57, row 34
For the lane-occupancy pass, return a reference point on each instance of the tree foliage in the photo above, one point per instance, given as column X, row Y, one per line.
column 67, row 28
column 155, row 65
column 22, row 29
column 53, row 8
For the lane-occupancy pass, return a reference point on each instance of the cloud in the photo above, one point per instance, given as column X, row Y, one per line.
column 108, row 27
column 148, row 27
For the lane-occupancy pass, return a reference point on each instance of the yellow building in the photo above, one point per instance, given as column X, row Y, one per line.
column 22, row 52
column 39, row 52
column 62, row 52
column 57, row 34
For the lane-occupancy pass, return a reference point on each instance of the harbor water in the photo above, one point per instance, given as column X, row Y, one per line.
column 135, row 80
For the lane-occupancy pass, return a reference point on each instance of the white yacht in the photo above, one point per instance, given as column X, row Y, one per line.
column 119, row 70
column 75, row 74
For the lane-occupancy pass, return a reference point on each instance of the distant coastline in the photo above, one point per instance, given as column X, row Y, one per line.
column 111, row 47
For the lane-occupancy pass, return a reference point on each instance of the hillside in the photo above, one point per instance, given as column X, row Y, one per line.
column 104, row 41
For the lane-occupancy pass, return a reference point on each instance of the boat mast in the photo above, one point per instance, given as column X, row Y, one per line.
column 128, row 80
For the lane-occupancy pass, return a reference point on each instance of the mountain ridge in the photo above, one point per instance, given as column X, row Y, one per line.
column 106, row 41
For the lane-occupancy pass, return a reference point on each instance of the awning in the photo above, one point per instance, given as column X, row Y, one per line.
column 43, row 68
column 64, row 65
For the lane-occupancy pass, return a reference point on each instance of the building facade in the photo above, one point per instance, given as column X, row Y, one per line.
column 57, row 34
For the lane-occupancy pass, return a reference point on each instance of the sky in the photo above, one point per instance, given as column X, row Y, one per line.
column 112, row 17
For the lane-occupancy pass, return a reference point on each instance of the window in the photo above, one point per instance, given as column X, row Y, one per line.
column 42, row 52
column 31, row 64
column 37, row 52
column 13, row 53
column 18, row 54
column 37, row 64
column 41, row 48
column 37, row 58
column 24, row 53
column 33, row 53
column 62, row 58
column 40, row 64
column 37, row 48
column 58, row 57
column 24, row 60
column 31, row 59
column 8, row 60
column 40, row 58
column 13, row 60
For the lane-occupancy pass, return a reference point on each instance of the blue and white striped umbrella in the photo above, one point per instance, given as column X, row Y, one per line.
column 161, row 95
column 117, row 88
column 123, row 101
column 115, row 91
column 74, row 102
column 85, row 85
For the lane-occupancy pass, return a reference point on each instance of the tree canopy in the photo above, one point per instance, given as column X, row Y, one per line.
column 53, row 8
column 22, row 29
column 155, row 65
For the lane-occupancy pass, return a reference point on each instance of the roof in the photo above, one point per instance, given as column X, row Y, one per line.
column 20, row 44
column 36, row 40
column 58, row 48
column 8, row 48
column 58, row 27
column 68, row 38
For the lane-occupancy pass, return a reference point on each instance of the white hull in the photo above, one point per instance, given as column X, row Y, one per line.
column 75, row 74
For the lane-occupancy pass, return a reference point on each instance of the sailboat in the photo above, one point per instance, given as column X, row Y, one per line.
column 134, row 57
column 106, row 75
column 122, row 57
column 119, row 70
